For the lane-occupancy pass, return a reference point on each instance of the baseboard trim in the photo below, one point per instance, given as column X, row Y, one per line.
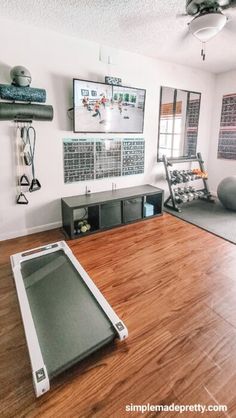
column 29, row 231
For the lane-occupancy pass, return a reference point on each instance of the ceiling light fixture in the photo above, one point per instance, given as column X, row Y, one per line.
column 207, row 25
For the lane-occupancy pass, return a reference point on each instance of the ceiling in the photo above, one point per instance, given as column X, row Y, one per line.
column 147, row 27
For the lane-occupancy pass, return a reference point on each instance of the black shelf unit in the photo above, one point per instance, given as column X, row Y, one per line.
column 105, row 210
column 170, row 202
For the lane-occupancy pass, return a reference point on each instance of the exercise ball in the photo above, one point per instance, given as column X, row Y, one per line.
column 226, row 192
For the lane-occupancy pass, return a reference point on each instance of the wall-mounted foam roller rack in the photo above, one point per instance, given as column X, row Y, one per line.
column 109, row 209
column 202, row 193
column 65, row 316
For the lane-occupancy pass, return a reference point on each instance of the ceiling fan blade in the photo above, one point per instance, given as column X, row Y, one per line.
column 223, row 3
column 227, row 4
column 179, row 15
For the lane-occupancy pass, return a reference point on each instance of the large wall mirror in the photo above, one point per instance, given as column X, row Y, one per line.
column 178, row 123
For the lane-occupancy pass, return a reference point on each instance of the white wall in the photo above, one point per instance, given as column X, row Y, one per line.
column 220, row 168
column 54, row 60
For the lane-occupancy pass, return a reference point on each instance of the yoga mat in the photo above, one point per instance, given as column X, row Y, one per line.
column 212, row 217
column 14, row 111
column 24, row 94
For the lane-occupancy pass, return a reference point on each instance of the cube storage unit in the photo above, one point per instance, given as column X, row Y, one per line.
column 109, row 209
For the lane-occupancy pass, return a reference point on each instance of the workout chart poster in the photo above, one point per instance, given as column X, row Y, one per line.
column 227, row 134
column 90, row 159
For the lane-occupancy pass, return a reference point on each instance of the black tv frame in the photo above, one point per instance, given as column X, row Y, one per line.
column 110, row 132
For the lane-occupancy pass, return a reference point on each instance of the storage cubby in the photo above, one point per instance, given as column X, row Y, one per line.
column 86, row 216
column 132, row 209
column 110, row 214
column 109, row 209
column 156, row 201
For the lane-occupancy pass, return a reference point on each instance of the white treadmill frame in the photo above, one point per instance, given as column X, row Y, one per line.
column 39, row 371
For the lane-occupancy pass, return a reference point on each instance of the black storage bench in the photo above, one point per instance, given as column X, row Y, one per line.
column 110, row 209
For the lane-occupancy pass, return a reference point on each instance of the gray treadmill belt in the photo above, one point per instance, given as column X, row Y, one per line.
column 69, row 322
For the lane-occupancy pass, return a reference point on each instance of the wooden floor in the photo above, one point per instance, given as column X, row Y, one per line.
column 174, row 285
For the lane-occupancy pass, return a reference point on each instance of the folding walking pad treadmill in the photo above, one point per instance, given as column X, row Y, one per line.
column 65, row 316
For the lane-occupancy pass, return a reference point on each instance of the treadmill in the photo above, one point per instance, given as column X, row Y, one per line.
column 65, row 316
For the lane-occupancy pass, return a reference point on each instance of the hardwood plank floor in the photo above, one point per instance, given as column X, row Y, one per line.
column 174, row 285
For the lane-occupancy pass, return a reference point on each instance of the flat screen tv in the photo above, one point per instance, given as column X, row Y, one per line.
column 106, row 108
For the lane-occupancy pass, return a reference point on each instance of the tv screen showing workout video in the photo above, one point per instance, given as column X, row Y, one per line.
column 100, row 107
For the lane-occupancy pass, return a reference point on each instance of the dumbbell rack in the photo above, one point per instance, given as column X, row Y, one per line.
column 170, row 202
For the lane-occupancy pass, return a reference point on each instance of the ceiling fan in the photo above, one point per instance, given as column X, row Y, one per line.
column 209, row 18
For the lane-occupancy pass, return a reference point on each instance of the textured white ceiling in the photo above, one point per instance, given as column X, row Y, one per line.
column 148, row 27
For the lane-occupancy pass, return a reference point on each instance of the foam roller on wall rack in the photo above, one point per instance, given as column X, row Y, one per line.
column 23, row 94
column 13, row 111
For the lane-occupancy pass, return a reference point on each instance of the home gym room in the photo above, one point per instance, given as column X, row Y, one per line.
column 118, row 208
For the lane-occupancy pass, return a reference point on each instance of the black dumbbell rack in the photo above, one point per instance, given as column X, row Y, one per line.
column 170, row 202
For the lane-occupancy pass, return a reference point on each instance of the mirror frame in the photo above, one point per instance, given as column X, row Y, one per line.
column 159, row 158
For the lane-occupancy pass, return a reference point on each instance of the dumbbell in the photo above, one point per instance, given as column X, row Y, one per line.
column 194, row 192
column 198, row 194
column 189, row 193
column 83, row 226
column 183, row 195
column 197, row 174
column 178, row 176
column 180, row 190
column 185, row 176
column 184, row 198
column 191, row 175
column 191, row 196
column 173, row 178
column 178, row 198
